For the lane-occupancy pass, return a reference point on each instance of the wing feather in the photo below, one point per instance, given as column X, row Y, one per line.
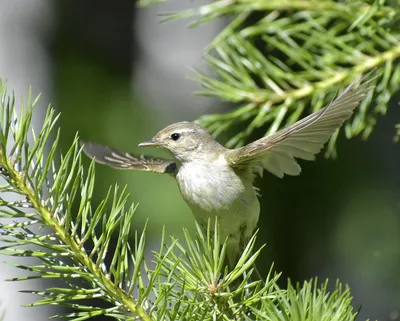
column 121, row 160
column 277, row 153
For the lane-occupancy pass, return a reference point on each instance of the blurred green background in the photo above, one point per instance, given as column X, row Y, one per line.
column 118, row 76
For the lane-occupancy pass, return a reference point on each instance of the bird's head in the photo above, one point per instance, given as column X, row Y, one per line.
column 186, row 140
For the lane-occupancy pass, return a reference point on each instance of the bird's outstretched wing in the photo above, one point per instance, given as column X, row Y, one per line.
column 117, row 159
column 276, row 153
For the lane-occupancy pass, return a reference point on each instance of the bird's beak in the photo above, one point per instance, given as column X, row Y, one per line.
column 152, row 142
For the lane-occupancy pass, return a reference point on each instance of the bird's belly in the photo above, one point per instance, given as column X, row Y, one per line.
column 218, row 192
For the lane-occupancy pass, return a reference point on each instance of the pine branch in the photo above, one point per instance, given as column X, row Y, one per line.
column 30, row 175
column 188, row 281
column 275, row 59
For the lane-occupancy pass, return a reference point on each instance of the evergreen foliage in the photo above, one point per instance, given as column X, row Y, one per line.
column 46, row 215
column 274, row 60
column 278, row 60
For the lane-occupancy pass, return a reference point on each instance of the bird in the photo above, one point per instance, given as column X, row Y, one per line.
column 217, row 182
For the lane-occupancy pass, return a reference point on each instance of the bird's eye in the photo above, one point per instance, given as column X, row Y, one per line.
column 175, row 136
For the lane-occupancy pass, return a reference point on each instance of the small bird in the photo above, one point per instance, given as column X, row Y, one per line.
column 217, row 182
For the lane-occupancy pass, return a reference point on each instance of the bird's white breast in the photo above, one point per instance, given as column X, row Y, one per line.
column 213, row 189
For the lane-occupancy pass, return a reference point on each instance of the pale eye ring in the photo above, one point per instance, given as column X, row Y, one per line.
column 175, row 136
